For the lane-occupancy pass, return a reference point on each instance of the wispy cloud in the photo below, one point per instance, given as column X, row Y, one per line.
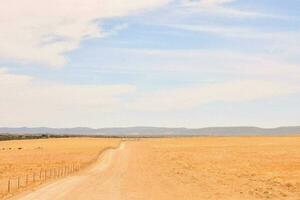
column 238, row 31
column 194, row 96
column 43, row 31
column 219, row 61
column 178, row 58
column 221, row 7
column 26, row 100
column 235, row 32
column 285, row 42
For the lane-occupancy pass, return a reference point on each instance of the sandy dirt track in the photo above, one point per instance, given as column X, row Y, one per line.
column 21, row 157
column 100, row 181
column 186, row 169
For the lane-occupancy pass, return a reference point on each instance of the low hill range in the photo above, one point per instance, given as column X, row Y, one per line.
column 155, row 131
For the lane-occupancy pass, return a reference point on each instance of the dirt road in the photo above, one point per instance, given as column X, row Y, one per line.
column 186, row 169
column 119, row 174
column 101, row 181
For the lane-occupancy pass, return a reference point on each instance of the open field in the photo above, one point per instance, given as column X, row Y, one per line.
column 21, row 157
column 213, row 168
column 222, row 168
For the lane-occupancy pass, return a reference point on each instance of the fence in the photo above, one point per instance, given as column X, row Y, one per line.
column 15, row 184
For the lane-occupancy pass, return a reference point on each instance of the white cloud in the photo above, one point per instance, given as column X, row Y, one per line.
column 220, row 7
column 25, row 100
column 240, row 32
column 236, row 32
column 230, row 91
column 285, row 42
column 43, row 31
column 211, row 61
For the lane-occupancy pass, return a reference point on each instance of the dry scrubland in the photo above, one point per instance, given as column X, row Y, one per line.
column 21, row 157
column 203, row 168
column 225, row 168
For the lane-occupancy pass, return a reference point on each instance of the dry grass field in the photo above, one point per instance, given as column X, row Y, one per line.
column 21, row 157
column 220, row 168
column 199, row 168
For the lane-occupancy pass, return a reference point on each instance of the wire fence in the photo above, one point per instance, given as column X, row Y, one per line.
column 16, row 184
column 13, row 185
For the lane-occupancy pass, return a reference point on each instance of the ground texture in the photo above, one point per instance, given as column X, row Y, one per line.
column 225, row 168
column 21, row 158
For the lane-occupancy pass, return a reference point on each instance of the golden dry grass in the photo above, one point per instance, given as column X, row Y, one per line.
column 210, row 168
column 223, row 167
column 21, row 157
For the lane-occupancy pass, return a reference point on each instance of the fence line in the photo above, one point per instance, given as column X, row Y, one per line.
column 14, row 184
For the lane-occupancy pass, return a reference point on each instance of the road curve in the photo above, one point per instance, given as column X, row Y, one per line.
column 101, row 181
column 131, row 172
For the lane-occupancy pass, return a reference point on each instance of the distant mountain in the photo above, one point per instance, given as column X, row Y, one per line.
column 154, row 131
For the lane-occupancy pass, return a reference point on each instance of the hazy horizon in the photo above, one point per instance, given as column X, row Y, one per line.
column 156, row 131
column 141, row 126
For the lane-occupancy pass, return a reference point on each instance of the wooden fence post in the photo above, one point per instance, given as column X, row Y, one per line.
column 8, row 186
column 18, row 182
column 26, row 179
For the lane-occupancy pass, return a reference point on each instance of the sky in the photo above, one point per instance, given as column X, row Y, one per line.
column 171, row 63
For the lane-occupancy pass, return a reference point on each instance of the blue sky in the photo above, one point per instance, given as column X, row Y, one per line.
column 101, row 63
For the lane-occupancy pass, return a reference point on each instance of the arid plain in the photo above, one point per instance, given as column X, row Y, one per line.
column 224, row 168
column 19, row 158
